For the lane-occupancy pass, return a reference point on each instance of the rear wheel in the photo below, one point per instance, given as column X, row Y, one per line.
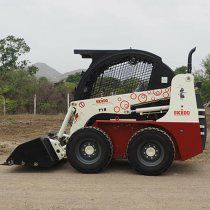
column 89, row 150
column 150, row 151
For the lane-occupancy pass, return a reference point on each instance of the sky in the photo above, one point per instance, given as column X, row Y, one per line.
column 54, row 28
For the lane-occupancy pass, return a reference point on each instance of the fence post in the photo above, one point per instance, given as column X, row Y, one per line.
column 67, row 101
column 4, row 104
column 34, row 104
column 4, row 101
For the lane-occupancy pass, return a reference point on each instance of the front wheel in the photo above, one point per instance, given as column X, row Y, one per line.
column 89, row 150
column 150, row 151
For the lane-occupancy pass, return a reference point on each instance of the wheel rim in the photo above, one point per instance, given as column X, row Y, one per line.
column 88, row 151
column 150, row 153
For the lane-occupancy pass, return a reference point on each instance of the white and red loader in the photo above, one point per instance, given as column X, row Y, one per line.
column 128, row 105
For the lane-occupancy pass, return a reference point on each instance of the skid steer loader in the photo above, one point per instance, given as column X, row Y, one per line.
column 128, row 105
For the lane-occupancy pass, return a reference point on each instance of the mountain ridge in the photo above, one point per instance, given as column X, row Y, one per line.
column 52, row 74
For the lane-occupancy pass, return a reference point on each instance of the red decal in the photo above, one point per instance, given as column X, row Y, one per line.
column 149, row 91
column 142, row 97
column 133, row 96
column 102, row 100
column 124, row 104
column 165, row 95
column 181, row 113
column 81, row 104
column 76, row 117
column 168, row 89
column 116, row 109
column 157, row 92
column 153, row 98
column 119, row 99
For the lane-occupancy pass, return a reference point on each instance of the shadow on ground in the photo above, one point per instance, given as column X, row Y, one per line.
column 117, row 166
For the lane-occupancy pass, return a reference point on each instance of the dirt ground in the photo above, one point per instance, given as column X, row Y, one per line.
column 186, row 185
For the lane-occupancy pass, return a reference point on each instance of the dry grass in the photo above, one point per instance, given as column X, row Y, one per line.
column 15, row 129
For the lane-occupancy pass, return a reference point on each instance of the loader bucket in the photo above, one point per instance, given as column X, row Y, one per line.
column 37, row 152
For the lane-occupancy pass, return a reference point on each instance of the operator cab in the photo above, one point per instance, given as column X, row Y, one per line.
column 114, row 72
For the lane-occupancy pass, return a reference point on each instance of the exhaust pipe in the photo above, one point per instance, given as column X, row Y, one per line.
column 189, row 66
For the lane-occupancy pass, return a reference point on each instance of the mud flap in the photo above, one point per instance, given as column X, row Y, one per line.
column 37, row 152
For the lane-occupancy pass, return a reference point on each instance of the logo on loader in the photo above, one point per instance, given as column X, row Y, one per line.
column 181, row 112
column 182, row 93
column 102, row 100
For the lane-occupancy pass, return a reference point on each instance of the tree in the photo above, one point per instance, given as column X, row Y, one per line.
column 51, row 97
column 205, row 91
column 18, row 87
column 181, row 70
column 18, row 83
column 32, row 69
column 11, row 50
column 206, row 65
column 74, row 78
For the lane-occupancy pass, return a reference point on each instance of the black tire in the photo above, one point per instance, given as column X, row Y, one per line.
column 150, row 151
column 89, row 150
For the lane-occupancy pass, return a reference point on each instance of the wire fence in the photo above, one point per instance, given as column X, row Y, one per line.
column 34, row 105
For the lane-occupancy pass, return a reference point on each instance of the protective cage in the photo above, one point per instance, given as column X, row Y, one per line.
column 114, row 72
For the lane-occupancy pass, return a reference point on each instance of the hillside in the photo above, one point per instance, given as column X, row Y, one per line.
column 65, row 75
column 47, row 71
column 51, row 73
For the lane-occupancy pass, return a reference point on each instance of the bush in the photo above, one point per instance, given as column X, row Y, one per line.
column 11, row 106
column 47, row 108
column 205, row 91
